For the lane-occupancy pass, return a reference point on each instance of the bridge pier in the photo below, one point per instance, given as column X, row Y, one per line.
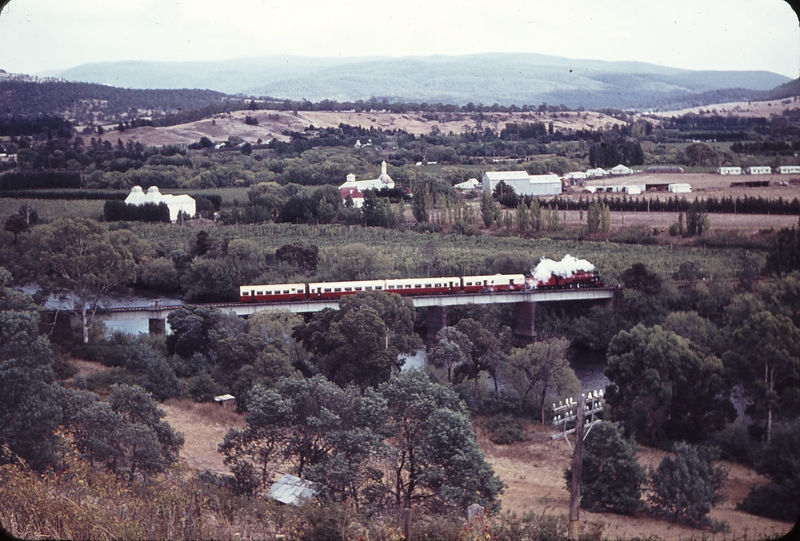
column 436, row 321
column 157, row 326
column 525, row 322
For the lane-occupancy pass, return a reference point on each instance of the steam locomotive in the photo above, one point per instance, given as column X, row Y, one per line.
column 419, row 286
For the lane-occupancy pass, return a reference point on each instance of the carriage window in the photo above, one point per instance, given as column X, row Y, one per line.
column 378, row 287
column 427, row 285
column 285, row 291
column 469, row 283
column 327, row 290
column 408, row 286
column 337, row 288
column 368, row 288
column 261, row 293
column 358, row 288
column 390, row 287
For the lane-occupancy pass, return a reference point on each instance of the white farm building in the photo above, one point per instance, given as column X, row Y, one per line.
column 176, row 203
column 523, row 183
column 729, row 170
column 383, row 181
column 789, row 169
column 620, row 170
column 759, row 170
column 680, row 187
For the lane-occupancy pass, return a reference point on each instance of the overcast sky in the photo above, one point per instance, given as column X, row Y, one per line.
column 39, row 35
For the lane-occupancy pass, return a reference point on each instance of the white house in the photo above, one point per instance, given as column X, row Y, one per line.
column 729, row 170
column 679, row 187
column 467, row 185
column 176, row 203
column 383, row 181
column 620, row 170
column 759, row 170
column 523, row 183
column 789, row 169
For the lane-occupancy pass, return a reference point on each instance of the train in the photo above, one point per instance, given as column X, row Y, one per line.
column 419, row 286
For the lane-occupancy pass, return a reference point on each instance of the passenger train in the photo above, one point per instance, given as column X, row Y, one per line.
column 417, row 286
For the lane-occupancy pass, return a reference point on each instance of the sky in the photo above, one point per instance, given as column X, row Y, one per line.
column 41, row 35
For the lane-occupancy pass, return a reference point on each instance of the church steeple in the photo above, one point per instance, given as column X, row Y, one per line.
column 383, row 167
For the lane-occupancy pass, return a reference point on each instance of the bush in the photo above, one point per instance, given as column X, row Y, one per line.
column 686, row 487
column 201, row 388
column 505, row 430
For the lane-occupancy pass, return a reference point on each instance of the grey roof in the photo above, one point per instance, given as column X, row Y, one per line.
column 293, row 490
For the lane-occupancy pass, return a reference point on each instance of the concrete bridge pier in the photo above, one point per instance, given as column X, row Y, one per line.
column 157, row 326
column 436, row 321
column 525, row 322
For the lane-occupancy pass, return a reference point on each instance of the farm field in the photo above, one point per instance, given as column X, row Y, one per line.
column 533, row 471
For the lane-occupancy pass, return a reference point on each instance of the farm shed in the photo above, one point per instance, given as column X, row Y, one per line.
column 176, row 203
column 729, row 170
column 597, row 172
column 680, row 187
column 467, row 185
column 759, row 170
column 750, row 184
column 631, row 189
column 620, row 170
column 789, row 169
column 523, row 183
column 574, row 177
column 292, row 490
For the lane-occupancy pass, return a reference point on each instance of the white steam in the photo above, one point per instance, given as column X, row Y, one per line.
column 564, row 268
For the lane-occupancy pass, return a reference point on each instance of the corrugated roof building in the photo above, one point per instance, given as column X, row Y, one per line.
column 292, row 490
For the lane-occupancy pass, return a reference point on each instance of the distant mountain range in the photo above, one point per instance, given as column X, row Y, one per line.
column 505, row 79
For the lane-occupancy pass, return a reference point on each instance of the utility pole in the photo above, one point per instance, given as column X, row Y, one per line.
column 577, row 461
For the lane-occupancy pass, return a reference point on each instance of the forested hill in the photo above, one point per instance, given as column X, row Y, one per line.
column 78, row 100
column 482, row 78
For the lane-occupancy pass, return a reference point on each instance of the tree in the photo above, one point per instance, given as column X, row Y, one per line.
column 766, row 362
column 611, row 478
column 452, row 349
column 434, row 459
column 598, row 217
column 486, row 354
column 127, row 434
column 80, row 257
column 325, row 432
column 542, row 365
column 360, row 342
column 420, row 203
column 304, row 258
column 15, row 224
column 685, row 488
column 779, row 461
column 662, row 387
column 488, row 208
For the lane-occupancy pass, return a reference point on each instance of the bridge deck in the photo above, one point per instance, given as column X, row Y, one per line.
column 421, row 301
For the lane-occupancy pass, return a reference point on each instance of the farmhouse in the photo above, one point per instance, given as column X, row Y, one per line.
column 176, row 203
column 523, row 183
column 759, row 170
column 729, row 170
column 354, row 194
column 789, row 169
column 383, row 181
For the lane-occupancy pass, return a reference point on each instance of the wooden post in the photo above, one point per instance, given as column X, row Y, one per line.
column 407, row 524
column 573, row 530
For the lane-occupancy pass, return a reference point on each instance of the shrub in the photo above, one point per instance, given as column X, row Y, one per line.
column 686, row 487
column 505, row 430
column 201, row 388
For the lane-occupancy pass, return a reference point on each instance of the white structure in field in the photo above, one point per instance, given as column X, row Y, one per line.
column 789, row 169
column 176, row 203
column 630, row 189
column 759, row 170
column 729, row 170
column 354, row 194
column 620, row 170
column 467, row 185
column 383, row 181
column 597, row 172
column 680, row 187
column 523, row 183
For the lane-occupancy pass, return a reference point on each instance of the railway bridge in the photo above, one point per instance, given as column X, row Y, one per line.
column 524, row 301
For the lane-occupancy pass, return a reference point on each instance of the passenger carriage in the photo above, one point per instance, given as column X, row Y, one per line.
column 423, row 286
column 336, row 290
column 495, row 282
column 272, row 292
